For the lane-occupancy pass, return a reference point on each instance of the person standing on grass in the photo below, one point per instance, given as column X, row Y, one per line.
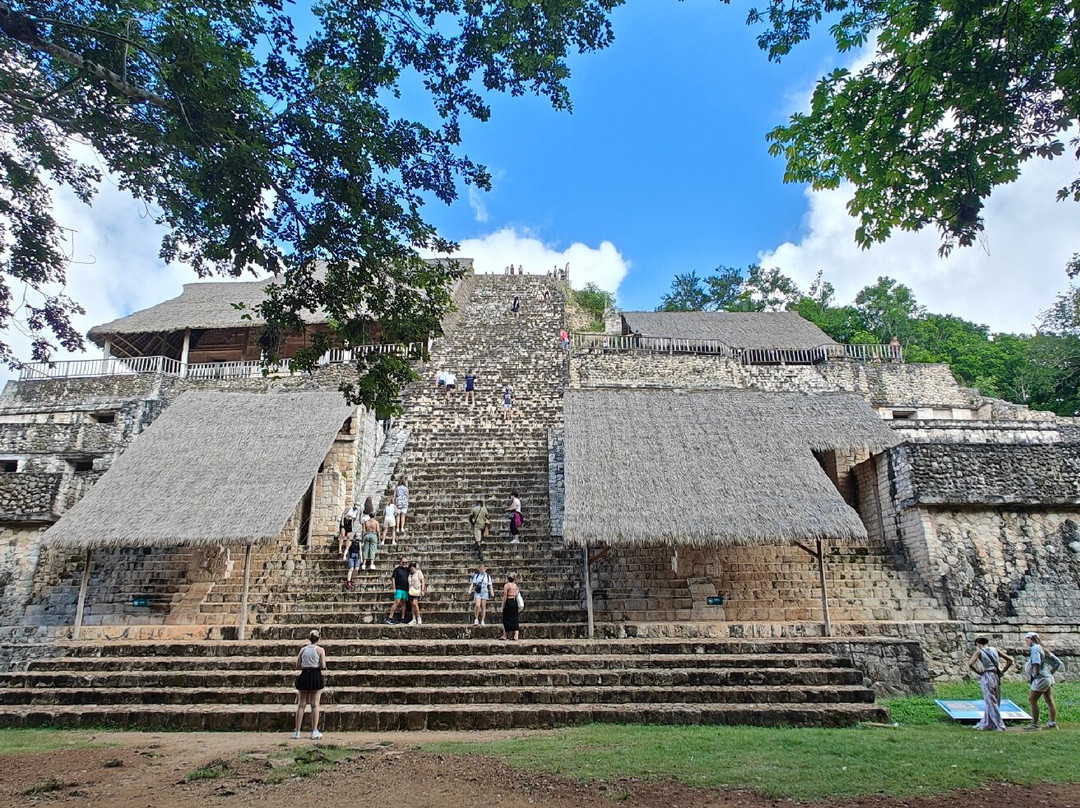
column 401, row 504
column 309, row 684
column 417, row 588
column 990, row 664
column 480, row 586
column 1040, row 669
column 510, row 608
column 399, row 579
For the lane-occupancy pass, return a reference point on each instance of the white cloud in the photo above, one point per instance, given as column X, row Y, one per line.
column 114, row 269
column 1005, row 282
column 603, row 265
column 476, row 202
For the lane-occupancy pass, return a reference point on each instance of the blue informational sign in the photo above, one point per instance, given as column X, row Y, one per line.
column 972, row 710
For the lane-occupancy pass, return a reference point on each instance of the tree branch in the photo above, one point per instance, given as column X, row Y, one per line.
column 23, row 28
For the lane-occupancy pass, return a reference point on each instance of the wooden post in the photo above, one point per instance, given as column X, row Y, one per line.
column 241, row 633
column 82, row 594
column 588, row 589
column 184, row 353
column 824, row 592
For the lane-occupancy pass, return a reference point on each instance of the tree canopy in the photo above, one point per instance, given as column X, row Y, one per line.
column 264, row 148
column 1041, row 370
column 958, row 95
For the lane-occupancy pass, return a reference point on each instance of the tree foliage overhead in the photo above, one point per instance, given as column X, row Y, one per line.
column 262, row 149
column 959, row 94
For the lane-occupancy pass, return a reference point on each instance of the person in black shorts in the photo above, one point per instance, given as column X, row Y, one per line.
column 470, row 387
column 400, row 579
column 309, row 684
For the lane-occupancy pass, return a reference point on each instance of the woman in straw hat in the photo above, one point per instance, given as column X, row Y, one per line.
column 309, row 684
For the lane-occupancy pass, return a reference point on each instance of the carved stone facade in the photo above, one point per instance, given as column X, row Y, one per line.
column 60, row 436
column 973, row 522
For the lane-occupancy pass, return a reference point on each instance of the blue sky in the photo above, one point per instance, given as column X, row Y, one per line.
column 662, row 168
column 664, row 154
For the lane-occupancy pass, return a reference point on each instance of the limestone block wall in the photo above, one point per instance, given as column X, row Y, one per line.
column 1002, row 567
column 29, row 496
column 928, row 386
column 20, row 546
column 981, row 432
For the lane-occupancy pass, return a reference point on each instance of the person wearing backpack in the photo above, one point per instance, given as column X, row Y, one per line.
column 1040, row 669
column 479, row 519
column 480, row 587
column 990, row 664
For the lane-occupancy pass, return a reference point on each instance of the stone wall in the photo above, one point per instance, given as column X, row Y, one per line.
column 556, row 479
column 1002, row 568
column 993, row 474
column 983, row 432
column 882, row 383
column 20, row 546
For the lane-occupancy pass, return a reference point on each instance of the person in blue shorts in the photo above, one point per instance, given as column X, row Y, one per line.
column 400, row 585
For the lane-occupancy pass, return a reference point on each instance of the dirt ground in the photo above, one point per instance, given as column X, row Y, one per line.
column 147, row 770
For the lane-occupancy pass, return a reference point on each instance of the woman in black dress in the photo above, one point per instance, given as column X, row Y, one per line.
column 309, row 684
column 510, row 608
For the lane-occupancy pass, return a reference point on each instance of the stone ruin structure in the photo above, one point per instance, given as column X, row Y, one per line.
column 728, row 518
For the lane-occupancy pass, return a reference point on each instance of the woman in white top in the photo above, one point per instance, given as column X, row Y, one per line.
column 309, row 684
column 417, row 588
column 401, row 504
column 390, row 523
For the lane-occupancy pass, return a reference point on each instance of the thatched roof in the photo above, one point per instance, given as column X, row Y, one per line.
column 778, row 330
column 207, row 305
column 709, row 468
column 214, row 468
column 199, row 306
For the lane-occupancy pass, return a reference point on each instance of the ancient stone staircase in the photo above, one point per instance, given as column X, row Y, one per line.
column 448, row 673
column 413, row 684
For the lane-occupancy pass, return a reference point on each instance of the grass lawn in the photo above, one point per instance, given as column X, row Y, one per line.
column 33, row 741
column 925, row 754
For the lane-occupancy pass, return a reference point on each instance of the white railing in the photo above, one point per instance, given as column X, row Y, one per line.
column 620, row 343
column 632, row 342
column 875, row 353
column 782, row 356
column 115, row 366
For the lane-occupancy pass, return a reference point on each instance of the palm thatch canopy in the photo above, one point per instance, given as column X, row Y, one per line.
column 767, row 330
column 206, row 305
column 210, row 305
column 709, row 468
column 214, row 468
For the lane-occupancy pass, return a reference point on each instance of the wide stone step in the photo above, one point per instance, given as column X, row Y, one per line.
column 352, row 718
column 283, row 642
column 555, row 693
column 76, row 668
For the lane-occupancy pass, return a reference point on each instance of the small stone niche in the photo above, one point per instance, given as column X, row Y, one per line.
column 107, row 417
